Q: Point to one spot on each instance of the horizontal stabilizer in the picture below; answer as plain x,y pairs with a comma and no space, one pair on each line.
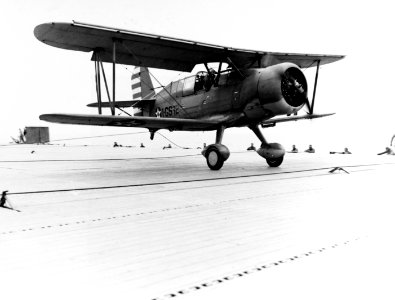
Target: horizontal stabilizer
127,103
273,121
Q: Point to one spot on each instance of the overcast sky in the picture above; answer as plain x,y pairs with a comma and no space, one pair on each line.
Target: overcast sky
37,78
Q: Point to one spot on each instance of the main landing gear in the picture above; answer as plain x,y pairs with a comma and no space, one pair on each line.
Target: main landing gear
216,154
273,152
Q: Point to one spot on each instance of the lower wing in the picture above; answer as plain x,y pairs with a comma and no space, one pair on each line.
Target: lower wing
123,121
274,121
162,123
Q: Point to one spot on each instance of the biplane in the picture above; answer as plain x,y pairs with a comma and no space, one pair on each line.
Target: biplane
246,88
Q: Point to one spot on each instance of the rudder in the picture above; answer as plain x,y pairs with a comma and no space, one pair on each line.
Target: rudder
142,87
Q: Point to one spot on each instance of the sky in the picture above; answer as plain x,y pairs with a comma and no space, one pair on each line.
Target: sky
37,78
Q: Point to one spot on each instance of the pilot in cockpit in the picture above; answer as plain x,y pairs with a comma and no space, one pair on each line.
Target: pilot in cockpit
209,79
205,80
199,81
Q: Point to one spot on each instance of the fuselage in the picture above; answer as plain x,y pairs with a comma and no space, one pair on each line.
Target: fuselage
242,98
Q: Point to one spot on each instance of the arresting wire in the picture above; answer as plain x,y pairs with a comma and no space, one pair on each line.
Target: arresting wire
98,136
173,142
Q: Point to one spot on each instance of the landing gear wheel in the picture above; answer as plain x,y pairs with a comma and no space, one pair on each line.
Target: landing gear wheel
214,159
275,162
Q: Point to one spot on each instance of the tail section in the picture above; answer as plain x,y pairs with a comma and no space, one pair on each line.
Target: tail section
143,94
142,87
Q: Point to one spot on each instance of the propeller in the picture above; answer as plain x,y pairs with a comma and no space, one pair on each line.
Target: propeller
294,87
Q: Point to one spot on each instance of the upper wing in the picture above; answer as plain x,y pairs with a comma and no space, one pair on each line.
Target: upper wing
123,121
141,49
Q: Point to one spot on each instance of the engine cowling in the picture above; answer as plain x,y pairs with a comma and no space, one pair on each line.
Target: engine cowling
282,88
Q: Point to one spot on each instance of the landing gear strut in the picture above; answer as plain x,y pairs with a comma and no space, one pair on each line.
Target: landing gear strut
273,152
216,154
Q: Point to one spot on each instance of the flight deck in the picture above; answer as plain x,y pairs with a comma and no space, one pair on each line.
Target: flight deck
129,223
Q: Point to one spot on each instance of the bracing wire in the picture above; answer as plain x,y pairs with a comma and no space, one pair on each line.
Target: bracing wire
160,85
153,76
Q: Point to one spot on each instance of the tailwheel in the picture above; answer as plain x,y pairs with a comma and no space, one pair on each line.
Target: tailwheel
215,160
275,162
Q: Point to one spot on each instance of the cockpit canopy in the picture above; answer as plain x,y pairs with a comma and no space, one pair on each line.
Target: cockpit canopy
202,80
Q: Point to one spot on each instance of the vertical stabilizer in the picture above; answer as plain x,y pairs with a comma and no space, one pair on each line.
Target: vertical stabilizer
142,87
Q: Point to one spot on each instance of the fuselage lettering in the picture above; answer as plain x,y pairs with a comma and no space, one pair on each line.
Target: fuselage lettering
168,111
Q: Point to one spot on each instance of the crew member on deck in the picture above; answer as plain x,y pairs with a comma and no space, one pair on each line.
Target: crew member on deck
294,149
310,149
3,199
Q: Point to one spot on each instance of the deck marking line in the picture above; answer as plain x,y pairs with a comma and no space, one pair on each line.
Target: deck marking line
252,270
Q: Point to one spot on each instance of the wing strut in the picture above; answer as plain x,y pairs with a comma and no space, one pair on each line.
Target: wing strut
105,81
216,81
311,110
235,67
114,58
99,68
97,79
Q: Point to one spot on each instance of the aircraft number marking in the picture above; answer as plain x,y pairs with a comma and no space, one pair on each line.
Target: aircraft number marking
167,111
